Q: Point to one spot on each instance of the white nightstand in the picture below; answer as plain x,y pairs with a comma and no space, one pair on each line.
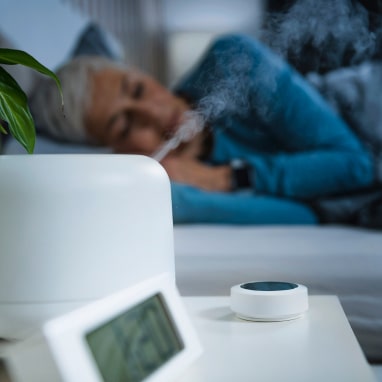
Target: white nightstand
320,346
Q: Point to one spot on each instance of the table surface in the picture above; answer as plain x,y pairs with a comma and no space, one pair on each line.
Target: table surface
320,346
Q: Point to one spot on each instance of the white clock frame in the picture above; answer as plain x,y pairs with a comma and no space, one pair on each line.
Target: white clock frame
59,351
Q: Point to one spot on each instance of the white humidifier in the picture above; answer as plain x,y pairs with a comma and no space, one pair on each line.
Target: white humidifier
75,228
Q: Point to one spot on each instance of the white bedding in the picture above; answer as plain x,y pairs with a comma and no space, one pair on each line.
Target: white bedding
327,259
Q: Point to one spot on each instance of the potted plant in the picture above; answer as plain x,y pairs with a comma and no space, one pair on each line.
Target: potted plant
15,116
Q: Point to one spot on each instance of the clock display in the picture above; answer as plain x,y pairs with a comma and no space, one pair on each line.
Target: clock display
133,345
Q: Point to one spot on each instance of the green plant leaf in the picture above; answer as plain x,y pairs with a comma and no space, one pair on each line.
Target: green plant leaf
15,112
15,56
3,125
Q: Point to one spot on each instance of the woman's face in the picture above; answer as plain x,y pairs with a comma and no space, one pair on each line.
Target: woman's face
131,112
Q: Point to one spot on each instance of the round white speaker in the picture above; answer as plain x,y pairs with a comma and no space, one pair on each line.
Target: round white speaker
269,300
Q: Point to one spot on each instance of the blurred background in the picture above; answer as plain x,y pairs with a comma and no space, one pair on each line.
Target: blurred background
164,37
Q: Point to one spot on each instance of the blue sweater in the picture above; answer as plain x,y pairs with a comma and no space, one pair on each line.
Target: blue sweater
262,111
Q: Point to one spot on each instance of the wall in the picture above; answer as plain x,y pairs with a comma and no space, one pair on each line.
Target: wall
47,29
191,25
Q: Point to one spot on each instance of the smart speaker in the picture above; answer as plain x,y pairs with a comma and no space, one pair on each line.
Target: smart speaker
269,300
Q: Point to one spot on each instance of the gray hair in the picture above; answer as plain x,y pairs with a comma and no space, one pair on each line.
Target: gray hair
45,102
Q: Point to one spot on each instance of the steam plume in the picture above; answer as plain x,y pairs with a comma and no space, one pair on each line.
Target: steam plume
193,124
321,35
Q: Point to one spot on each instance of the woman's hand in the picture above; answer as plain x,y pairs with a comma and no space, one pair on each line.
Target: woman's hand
184,169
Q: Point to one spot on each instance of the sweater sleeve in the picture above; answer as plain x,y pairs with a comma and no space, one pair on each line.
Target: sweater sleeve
311,174
192,205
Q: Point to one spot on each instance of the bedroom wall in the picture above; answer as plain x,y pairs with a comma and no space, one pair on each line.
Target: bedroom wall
191,25
48,28
45,28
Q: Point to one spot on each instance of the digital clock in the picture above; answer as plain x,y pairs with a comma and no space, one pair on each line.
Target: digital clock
139,334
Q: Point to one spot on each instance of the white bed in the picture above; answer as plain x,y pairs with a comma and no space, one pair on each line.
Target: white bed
327,259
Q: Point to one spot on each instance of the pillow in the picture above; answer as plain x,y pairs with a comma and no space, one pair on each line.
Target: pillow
94,41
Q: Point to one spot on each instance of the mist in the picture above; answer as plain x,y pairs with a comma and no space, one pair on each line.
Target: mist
321,35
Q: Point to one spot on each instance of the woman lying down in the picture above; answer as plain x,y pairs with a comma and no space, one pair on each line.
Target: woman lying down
243,137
